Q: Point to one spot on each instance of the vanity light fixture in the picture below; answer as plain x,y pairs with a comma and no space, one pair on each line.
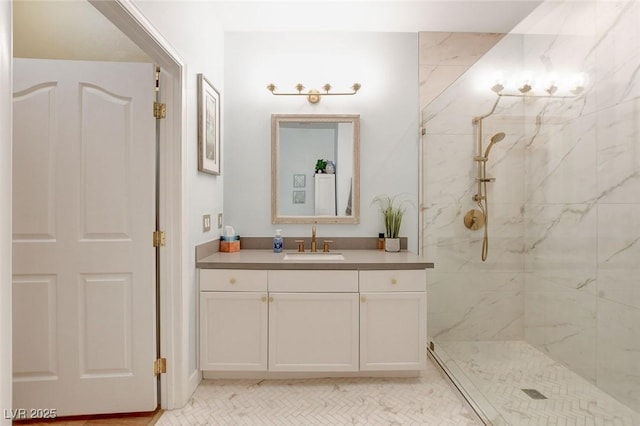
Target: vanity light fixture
498,82
552,89
526,87
498,87
552,84
578,82
577,90
526,79
313,96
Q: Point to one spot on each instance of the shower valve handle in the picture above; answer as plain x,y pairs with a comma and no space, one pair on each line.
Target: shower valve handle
474,220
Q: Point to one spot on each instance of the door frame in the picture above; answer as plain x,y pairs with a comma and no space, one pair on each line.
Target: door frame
6,100
176,384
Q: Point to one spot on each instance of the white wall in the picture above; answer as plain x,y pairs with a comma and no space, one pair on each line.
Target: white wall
386,66
6,379
191,28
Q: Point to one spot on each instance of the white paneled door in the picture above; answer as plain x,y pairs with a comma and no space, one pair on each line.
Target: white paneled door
83,218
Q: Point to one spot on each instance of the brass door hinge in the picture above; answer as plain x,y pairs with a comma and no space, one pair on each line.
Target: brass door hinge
159,239
159,366
159,110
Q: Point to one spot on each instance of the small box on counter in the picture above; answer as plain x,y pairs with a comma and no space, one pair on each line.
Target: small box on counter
230,244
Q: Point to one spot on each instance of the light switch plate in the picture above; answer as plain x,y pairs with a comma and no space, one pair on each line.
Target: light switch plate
206,223
219,220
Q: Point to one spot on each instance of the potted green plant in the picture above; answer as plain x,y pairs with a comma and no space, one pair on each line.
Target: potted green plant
392,210
321,165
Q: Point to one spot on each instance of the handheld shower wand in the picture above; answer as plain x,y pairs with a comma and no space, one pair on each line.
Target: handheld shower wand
494,140
483,193
476,219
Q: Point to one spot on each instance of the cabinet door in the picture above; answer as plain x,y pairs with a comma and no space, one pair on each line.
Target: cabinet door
233,331
313,332
393,331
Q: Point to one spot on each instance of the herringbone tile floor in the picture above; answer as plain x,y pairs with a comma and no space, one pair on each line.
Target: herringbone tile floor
500,370
428,400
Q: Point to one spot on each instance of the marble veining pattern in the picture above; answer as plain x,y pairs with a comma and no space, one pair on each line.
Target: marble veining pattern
564,207
618,155
488,307
444,56
428,400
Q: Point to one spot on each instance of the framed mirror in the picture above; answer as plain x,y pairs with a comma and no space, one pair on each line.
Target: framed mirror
315,168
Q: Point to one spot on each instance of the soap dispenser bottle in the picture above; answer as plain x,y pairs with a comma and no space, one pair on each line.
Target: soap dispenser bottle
277,242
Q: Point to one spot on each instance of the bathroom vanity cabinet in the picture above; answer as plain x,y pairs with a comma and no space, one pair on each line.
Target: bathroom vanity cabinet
233,320
393,320
312,320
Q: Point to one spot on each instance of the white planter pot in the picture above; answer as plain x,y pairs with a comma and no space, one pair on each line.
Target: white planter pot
392,244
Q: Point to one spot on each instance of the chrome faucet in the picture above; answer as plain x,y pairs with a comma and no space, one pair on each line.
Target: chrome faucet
313,239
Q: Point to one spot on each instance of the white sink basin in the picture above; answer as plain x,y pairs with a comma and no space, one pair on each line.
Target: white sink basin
321,256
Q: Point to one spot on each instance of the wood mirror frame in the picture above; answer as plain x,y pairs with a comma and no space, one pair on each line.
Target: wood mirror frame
287,167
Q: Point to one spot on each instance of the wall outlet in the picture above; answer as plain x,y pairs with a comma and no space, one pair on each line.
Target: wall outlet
206,223
219,220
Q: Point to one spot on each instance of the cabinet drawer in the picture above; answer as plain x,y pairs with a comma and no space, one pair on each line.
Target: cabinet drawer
393,280
315,281
232,280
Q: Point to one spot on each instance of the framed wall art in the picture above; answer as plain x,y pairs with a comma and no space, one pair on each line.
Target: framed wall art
299,180
299,197
208,127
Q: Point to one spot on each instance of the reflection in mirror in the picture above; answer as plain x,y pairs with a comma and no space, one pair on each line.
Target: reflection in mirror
315,168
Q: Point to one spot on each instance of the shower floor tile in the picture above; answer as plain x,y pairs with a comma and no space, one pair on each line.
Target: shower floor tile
502,370
427,400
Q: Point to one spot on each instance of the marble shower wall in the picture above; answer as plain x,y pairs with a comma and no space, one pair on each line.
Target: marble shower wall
470,299
560,209
443,57
564,232
582,244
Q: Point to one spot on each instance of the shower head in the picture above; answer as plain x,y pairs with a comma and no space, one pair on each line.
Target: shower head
494,140
497,137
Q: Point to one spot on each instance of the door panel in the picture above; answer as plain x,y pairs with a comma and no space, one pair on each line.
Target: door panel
36,340
106,147
105,300
84,213
33,171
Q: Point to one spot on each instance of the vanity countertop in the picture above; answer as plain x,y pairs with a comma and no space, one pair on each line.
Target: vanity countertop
353,260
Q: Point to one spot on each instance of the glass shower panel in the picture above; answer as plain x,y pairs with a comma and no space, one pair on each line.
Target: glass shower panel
557,288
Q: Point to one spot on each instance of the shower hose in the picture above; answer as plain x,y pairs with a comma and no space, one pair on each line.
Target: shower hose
484,208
